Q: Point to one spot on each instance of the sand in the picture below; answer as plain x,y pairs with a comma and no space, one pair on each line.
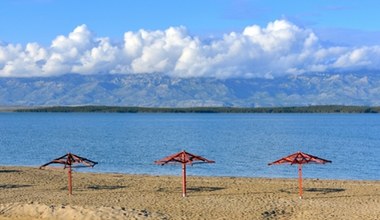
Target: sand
31,193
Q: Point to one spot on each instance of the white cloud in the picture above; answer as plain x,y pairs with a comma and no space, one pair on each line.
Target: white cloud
364,57
279,48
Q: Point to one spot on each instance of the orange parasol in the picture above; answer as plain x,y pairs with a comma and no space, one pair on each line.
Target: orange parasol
184,158
300,158
69,160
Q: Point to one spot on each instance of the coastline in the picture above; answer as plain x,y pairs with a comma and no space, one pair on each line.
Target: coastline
210,109
31,193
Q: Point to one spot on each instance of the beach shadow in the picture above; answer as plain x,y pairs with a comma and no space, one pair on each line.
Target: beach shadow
13,186
10,171
105,187
205,189
324,190
316,190
189,189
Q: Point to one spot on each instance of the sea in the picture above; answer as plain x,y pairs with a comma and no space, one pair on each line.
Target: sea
241,145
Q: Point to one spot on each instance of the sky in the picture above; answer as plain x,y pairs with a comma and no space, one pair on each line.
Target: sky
212,38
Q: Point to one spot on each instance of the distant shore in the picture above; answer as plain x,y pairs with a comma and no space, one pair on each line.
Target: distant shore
31,193
126,109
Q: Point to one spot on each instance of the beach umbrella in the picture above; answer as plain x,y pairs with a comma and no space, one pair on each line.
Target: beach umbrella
300,158
69,160
183,158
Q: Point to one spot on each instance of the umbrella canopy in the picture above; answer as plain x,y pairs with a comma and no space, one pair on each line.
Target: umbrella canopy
183,158
68,160
300,158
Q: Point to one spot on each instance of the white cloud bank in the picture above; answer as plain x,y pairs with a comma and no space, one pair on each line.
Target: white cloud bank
279,48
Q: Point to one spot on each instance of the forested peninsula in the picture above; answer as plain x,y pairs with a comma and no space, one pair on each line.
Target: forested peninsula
121,109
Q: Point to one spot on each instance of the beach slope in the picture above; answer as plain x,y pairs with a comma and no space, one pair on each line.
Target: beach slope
31,193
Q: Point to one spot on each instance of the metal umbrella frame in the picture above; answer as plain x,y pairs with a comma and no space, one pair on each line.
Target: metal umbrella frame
68,160
183,158
300,158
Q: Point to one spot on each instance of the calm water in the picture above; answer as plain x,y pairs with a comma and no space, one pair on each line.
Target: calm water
241,144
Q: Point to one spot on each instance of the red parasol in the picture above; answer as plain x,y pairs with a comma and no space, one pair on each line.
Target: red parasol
69,160
183,158
300,158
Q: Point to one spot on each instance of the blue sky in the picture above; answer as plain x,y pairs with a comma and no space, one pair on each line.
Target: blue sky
345,34
41,21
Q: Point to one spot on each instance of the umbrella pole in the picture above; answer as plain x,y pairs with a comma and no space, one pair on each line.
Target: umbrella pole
183,179
70,181
300,179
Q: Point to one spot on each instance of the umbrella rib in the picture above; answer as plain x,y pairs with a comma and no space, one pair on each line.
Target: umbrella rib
70,159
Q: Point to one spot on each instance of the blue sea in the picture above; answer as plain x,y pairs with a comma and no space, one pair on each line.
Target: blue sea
241,144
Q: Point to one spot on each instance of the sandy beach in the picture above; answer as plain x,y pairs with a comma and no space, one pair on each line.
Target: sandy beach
31,193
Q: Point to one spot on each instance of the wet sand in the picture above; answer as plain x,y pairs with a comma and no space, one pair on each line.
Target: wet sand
31,193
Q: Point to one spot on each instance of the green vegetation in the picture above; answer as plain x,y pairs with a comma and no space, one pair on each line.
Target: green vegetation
118,109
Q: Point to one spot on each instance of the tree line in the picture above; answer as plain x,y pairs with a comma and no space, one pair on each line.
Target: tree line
122,109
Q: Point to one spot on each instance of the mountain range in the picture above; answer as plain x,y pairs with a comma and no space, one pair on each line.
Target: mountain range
160,90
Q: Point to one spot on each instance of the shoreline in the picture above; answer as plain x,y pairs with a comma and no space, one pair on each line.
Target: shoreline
205,109
88,171
31,193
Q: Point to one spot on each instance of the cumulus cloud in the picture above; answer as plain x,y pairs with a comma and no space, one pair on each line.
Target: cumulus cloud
277,49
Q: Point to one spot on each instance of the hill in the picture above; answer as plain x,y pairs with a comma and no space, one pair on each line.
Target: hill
158,90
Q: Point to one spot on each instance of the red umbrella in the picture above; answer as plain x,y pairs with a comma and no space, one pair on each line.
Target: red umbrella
184,158
300,158
69,160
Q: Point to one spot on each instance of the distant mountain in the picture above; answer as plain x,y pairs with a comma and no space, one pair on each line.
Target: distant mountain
158,90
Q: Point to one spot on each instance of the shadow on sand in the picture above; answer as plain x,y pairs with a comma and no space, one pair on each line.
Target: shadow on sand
10,171
316,190
105,187
324,190
204,189
12,186
190,189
